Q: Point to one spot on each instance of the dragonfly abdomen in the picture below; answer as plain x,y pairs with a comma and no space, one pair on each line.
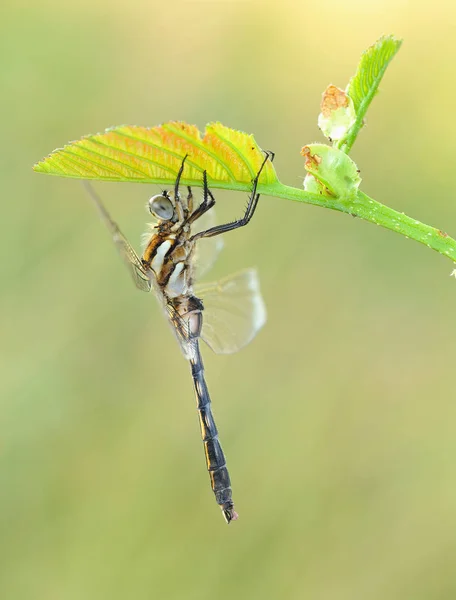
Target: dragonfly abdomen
215,458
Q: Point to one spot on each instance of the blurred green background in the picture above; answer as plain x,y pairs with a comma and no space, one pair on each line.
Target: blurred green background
338,421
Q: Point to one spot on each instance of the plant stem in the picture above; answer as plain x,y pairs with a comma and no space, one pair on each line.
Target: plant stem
368,209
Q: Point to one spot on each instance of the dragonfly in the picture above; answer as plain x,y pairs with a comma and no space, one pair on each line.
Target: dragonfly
233,307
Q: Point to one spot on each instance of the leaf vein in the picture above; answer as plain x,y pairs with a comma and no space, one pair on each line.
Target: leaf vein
128,153
93,162
67,155
115,160
237,152
157,147
202,147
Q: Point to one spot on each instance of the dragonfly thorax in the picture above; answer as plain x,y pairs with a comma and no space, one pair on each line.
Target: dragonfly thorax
168,256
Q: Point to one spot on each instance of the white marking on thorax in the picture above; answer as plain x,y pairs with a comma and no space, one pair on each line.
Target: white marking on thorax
157,262
177,284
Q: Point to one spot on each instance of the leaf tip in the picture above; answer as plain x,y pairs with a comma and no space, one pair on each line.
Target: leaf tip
42,166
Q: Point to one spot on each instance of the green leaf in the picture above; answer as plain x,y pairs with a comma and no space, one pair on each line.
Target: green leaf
364,85
332,168
154,155
371,69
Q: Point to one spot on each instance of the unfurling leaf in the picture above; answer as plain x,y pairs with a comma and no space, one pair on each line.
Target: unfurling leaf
372,66
364,85
154,155
337,113
331,168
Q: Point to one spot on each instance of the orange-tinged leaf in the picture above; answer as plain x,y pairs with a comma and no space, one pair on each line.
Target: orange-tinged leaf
154,155
337,113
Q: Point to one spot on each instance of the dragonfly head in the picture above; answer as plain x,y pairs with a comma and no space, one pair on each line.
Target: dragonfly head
161,206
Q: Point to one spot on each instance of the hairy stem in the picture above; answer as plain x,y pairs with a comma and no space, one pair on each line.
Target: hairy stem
366,208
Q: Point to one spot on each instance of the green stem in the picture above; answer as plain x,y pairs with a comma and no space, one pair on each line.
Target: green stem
370,210
347,144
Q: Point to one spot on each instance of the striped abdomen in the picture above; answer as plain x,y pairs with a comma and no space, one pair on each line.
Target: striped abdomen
215,459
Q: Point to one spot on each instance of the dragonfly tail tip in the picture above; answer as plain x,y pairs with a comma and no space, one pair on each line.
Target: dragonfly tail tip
230,515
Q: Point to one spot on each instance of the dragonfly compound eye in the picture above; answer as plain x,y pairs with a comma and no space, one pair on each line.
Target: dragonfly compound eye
161,207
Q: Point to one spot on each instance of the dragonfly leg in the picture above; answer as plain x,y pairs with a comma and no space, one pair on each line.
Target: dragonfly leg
181,210
189,199
207,203
178,178
249,211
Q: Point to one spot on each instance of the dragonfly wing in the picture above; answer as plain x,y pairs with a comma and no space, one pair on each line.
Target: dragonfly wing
180,327
132,261
234,311
207,249
126,251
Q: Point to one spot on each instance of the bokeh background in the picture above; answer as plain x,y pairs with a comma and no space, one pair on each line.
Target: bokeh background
338,421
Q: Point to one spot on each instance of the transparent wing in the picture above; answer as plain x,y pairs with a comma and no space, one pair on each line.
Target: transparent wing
126,251
234,311
181,331
132,262
207,249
